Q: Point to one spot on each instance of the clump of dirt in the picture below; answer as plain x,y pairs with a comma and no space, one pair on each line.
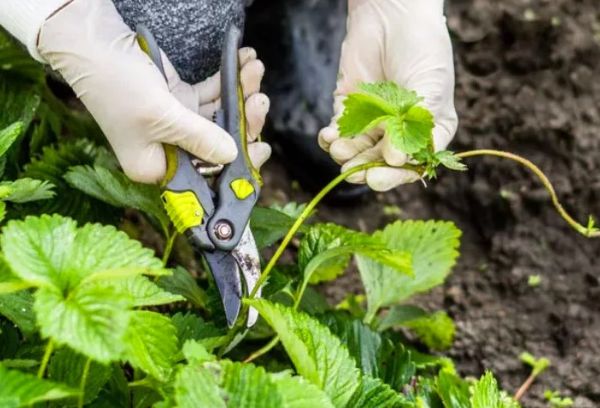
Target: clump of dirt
526,83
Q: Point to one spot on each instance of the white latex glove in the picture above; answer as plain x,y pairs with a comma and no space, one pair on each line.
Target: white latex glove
405,41
88,43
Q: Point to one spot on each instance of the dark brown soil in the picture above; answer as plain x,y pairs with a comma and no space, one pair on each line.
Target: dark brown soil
527,83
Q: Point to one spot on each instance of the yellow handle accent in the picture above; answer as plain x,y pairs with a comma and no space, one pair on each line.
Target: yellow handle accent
172,163
242,188
184,209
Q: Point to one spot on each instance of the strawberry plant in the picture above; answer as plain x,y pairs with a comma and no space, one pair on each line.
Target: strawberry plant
90,316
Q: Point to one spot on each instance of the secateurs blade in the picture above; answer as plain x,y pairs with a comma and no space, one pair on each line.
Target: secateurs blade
215,217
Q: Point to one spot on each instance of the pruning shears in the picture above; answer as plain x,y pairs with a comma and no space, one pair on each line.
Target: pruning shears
216,219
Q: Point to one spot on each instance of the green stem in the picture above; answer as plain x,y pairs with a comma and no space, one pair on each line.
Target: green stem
290,235
304,216
590,233
315,263
46,358
169,247
140,383
84,377
585,231
525,387
263,350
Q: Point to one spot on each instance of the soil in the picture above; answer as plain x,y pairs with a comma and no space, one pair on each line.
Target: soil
527,83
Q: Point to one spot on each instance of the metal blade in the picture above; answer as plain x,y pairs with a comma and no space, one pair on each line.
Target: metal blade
226,272
248,261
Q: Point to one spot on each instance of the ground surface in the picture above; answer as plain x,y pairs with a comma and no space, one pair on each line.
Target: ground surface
528,83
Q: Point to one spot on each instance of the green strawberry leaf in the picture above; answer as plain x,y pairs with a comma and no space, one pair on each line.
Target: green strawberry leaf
327,248
18,308
116,189
411,132
296,392
9,283
151,343
376,355
25,190
270,225
433,247
486,394
538,365
192,327
19,102
91,319
50,251
450,160
361,114
182,283
435,330
374,393
453,391
67,367
52,165
291,209
317,354
395,98
143,291
205,382
9,135
19,389
15,60
249,386
373,104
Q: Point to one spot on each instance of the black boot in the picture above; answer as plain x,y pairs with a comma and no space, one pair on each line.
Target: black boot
300,41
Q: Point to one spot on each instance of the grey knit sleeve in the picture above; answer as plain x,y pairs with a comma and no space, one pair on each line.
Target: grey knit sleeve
190,32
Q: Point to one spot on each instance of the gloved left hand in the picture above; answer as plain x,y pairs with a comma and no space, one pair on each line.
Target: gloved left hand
90,45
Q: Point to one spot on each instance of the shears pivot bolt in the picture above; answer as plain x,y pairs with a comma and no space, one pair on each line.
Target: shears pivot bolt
223,230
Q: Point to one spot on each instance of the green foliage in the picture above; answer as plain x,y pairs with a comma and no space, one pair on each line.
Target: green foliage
81,300
19,103
408,124
15,60
316,353
486,394
555,400
432,160
373,393
182,283
205,382
25,190
51,251
18,308
269,225
534,281
192,327
114,188
9,135
433,247
52,166
92,320
67,366
538,365
20,390
435,330
151,343
454,392
327,248
104,324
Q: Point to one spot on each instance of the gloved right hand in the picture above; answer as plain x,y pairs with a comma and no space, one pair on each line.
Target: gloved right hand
405,41
89,44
